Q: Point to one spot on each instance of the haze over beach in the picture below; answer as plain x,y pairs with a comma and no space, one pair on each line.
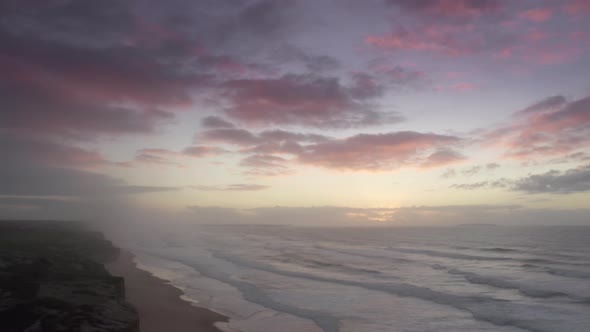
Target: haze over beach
272,160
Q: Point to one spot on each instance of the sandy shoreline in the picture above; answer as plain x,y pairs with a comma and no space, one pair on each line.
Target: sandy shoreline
159,304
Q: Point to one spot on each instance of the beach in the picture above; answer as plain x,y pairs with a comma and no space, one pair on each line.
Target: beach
158,303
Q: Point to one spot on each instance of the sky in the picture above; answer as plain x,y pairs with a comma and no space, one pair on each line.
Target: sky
304,112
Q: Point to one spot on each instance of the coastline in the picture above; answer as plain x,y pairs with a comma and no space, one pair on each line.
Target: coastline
159,304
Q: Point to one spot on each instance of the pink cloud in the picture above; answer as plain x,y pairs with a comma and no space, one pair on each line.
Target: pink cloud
165,157
448,39
216,122
577,7
464,86
555,55
231,136
154,157
451,8
379,152
305,100
363,152
549,128
537,14
203,151
266,165
442,158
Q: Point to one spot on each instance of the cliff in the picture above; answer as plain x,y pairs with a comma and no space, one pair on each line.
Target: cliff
52,278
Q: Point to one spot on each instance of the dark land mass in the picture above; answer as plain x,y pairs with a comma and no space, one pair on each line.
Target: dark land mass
52,278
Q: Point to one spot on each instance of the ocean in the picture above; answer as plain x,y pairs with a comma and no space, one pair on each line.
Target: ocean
463,278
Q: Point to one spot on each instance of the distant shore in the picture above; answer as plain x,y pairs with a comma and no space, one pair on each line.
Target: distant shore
158,303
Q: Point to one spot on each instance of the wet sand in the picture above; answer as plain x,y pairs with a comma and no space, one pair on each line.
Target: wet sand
159,304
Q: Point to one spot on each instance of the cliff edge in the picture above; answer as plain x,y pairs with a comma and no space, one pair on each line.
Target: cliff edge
52,278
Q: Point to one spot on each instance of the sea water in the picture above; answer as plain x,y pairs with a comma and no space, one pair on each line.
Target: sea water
464,278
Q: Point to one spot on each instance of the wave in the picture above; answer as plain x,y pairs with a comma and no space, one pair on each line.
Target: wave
498,249
253,294
373,256
446,254
558,271
491,310
313,263
505,284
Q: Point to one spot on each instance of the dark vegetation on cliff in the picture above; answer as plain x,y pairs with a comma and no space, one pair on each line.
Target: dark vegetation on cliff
52,278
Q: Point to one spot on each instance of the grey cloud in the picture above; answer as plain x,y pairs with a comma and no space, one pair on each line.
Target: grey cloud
203,151
471,186
308,100
265,165
491,166
33,167
216,122
470,171
548,104
449,173
558,182
234,187
310,61
49,181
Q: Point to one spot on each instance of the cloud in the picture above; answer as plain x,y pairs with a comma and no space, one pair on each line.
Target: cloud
265,142
470,171
29,180
449,173
464,86
577,157
491,166
86,69
22,150
548,104
443,157
67,73
514,33
35,167
471,186
447,40
203,151
577,7
216,122
381,152
552,182
549,128
372,152
500,183
311,62
283,135
537,14
233,136
309,100
558,182
161,157
450,8
234,187
265,165
33,112
165,157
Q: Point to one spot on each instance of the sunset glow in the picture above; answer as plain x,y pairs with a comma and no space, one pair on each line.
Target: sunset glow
313,112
